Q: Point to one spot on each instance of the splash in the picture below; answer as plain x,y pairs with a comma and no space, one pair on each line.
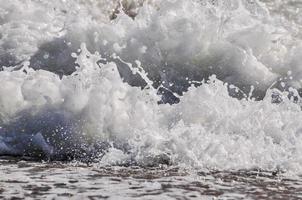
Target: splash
157,88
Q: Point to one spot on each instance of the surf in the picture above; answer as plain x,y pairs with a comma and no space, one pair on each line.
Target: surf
202,84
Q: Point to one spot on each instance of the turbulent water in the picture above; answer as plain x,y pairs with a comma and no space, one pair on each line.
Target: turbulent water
27,180
198,84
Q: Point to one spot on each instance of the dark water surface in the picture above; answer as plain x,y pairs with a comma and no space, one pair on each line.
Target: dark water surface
21,179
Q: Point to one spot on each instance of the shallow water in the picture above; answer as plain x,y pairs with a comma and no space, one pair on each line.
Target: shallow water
27,179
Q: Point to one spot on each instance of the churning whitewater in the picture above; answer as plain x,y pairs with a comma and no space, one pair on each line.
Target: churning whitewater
196,83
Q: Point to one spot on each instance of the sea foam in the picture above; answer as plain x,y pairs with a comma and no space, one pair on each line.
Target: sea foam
205,84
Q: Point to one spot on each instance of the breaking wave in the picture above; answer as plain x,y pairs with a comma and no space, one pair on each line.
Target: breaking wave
206,84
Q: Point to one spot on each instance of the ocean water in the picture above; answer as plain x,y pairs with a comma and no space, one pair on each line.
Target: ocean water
170,99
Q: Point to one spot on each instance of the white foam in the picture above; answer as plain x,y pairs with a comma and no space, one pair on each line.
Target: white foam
168,43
